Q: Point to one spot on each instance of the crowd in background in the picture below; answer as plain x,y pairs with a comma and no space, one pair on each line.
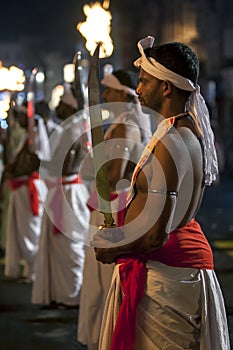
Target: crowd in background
49,210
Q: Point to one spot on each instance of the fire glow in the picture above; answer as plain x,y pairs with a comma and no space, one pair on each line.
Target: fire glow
11,79
96,29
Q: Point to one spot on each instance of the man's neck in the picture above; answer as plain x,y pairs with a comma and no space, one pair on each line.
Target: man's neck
172,108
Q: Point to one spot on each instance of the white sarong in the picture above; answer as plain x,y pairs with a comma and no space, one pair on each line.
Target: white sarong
23,231
182,308
96,283
60,258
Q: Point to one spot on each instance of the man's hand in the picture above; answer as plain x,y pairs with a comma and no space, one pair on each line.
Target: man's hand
104,243
106,256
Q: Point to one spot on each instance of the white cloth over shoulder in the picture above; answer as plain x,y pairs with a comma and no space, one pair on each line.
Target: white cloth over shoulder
74,129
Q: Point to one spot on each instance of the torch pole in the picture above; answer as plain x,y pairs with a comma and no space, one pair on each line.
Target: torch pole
31,110
98,143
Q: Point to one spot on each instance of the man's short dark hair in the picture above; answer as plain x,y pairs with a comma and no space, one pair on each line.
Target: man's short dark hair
178,58
127,77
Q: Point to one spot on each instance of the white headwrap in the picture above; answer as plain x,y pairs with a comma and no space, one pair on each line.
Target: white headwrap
196,105
111,81
144,123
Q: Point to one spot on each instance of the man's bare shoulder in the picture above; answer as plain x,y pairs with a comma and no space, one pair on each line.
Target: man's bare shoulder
179,140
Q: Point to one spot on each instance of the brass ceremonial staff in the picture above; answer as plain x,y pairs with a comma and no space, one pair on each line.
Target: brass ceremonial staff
31,110
98,145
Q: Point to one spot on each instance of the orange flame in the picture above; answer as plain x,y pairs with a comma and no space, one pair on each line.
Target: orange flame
96,29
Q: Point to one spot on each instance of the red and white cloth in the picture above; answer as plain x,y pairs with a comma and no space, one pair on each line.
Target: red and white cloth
143,303
29,181
57,198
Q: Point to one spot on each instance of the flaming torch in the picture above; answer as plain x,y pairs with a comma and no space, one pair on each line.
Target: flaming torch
96,29
11,80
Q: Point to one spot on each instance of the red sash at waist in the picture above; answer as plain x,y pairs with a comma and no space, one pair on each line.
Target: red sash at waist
64,181
186,247
55,203
14,184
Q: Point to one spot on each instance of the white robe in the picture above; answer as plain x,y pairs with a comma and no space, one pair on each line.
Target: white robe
97,276
96,282
177,303
23,231
60,258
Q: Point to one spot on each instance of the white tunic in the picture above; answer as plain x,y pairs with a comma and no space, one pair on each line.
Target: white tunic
23,230
60,258
96,282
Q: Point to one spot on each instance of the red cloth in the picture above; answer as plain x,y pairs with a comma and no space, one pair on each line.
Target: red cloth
186,247
133,279
14,184
92,204
55,203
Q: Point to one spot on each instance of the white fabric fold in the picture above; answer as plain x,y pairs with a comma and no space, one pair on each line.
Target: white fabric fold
193,305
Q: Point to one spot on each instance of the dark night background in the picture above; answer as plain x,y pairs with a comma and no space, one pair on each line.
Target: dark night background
43,33
54,21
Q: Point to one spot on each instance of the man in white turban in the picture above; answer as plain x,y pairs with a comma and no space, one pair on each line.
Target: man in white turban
164,292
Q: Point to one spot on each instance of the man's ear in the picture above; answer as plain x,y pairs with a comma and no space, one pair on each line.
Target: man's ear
167,87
